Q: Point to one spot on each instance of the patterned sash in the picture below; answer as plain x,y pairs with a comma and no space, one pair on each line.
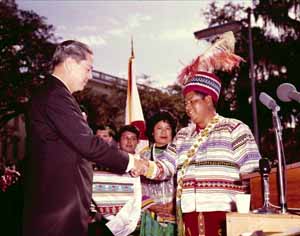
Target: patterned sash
201,138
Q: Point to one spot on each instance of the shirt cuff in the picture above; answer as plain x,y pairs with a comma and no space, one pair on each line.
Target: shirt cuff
130,163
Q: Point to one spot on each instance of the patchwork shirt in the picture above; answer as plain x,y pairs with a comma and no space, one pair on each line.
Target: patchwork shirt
213,176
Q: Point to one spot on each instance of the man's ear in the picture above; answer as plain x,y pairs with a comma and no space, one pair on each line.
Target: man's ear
68,64
209,101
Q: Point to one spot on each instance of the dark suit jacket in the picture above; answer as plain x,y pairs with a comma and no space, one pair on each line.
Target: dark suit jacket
58,184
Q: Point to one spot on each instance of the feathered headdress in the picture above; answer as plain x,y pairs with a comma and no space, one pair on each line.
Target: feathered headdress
219,56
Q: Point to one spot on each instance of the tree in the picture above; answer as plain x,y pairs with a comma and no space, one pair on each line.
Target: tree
26,47
26,43
106,109
276,46
170,100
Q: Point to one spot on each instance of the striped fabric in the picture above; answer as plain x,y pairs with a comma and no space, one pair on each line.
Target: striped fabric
111,191
204,82
212,179
158,193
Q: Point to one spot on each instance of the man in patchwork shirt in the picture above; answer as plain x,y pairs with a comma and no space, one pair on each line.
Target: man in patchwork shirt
209,156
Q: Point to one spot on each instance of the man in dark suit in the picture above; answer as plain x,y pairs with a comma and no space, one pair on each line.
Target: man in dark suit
58,178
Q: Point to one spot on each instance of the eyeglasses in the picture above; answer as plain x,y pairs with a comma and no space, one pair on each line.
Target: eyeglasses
192,101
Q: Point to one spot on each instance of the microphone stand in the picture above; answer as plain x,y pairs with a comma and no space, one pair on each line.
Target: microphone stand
281,169
265,169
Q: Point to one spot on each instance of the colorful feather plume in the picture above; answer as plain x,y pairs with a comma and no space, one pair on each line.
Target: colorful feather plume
219,56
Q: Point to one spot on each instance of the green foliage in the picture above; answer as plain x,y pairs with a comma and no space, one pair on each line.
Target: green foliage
104,109
228,12
26,46
170,100
109,108
276,46
281,13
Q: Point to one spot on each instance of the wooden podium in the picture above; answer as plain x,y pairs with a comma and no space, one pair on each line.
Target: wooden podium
271,224
268,224
293,187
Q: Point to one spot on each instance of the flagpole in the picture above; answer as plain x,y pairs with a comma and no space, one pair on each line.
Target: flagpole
134,112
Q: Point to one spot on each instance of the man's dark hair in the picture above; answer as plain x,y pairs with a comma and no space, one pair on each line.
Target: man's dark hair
70,48
130,128
111,130
157,117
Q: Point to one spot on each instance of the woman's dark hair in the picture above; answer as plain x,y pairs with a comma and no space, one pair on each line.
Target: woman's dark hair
70,48
157,117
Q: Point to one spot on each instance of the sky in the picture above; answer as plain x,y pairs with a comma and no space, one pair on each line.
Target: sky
162,33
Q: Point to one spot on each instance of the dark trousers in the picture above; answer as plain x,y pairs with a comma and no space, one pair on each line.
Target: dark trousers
98,228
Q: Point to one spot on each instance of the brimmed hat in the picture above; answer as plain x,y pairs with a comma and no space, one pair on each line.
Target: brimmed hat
199,75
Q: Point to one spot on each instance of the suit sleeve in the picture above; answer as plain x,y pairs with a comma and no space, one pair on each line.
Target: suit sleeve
65,117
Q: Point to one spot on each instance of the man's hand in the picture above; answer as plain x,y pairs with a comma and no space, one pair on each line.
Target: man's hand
140,167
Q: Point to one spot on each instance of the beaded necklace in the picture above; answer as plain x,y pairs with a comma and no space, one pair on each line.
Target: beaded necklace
200,138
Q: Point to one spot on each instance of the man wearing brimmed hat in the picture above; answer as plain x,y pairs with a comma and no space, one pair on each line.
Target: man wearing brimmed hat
211,153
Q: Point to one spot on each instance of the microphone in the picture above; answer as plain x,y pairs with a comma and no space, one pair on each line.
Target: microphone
265,169
264,166
287,92
268,101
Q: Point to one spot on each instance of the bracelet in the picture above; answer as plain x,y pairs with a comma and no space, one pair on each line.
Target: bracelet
151,170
